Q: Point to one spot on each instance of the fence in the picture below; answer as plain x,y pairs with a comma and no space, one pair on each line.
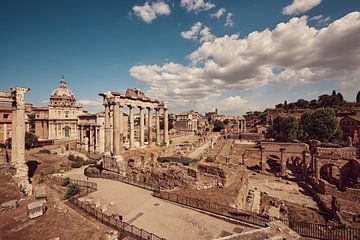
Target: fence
114,222
138,182
312,230
110,220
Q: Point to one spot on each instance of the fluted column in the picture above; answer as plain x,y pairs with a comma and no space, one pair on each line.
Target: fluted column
116,130
157,123
142,135
150,124
107,129
91,140
131,119
166,127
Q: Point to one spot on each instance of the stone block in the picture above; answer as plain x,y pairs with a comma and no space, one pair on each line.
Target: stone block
104,208
36,209
97,204
40,192
9,205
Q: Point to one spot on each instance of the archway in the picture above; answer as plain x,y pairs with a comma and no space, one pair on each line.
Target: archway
331,173
67,131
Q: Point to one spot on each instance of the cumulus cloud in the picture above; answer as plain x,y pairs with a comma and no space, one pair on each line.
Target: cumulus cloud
292,52
219,13
229,22
149,12
196,5
198,32
300,6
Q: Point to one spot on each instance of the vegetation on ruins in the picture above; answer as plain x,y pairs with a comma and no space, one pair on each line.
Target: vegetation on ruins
45,151
283,129
77,161
72,190
218,126
335,100
321,124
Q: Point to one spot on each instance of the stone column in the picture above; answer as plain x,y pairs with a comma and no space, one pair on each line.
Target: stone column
116,130
18,139
142,134
244,122
282,162
107,129
157,123
150,135
262,160
131,119
166,127
91,139
317,168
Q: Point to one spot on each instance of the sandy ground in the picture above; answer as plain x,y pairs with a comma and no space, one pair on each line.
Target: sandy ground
284,190
140,208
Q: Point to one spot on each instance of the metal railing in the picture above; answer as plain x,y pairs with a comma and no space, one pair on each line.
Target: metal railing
114,222
311,230
138,182
110,220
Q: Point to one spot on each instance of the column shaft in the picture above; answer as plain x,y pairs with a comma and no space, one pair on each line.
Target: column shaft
107,129
157,123
166,127
131,119
150,135
116,130
142,135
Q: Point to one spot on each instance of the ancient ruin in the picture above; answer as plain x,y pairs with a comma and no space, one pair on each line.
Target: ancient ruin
16,97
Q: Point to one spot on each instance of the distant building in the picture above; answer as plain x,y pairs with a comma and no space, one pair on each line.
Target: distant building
351,126
187,121
6,117
59,119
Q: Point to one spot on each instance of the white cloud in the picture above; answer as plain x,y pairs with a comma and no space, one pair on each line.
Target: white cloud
229,22
320,19
149,12
219,13
91,102
300,6
292,52
198,31
231,104
196,5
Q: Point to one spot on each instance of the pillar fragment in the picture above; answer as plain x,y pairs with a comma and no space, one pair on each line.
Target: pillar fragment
131,120
142,135
150,135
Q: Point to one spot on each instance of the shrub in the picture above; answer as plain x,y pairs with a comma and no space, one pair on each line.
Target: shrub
66,181
209,159
78,159
76,164
44,150
71,157
72,190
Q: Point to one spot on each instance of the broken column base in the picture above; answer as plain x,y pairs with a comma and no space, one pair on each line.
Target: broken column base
113,163
22,180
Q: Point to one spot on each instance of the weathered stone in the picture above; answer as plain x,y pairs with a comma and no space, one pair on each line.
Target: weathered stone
40,192
36,209
9,205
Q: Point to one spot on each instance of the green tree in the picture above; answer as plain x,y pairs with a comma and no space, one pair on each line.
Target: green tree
31,140
358,97
321,124
218,126
283,129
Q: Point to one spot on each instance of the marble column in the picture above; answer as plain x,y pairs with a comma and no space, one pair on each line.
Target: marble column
142,135
282,162
18,139
116,130
157,123
166,127
150,135
107,129
91,139
131,119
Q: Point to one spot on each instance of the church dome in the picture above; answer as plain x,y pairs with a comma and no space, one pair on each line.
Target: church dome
62,90
62,96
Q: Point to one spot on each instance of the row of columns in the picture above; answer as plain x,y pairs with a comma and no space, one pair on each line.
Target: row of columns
241,125
92,142
117,130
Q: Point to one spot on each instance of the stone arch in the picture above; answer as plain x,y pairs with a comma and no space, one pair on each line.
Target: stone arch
331,173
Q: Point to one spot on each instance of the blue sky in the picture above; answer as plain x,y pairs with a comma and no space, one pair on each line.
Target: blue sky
114,45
